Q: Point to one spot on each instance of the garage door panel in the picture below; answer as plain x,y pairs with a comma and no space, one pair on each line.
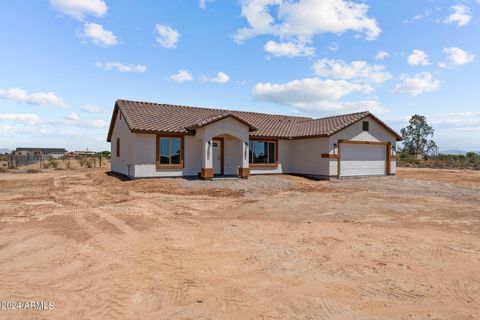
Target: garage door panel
362,160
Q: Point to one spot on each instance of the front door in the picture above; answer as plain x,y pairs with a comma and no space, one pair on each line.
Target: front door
217,156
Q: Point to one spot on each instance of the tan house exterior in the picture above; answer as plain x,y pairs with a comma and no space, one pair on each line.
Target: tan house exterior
160,140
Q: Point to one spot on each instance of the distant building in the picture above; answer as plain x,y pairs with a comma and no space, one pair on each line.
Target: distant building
37,152
80,153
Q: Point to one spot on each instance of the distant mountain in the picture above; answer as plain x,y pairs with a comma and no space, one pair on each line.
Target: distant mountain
454,152
5,150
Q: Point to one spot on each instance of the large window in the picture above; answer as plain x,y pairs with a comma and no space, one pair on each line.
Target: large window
169,152
263,152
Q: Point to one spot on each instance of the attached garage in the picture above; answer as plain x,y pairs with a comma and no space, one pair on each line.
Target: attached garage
363,158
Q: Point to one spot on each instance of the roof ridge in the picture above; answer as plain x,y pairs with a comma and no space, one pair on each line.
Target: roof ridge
337,116
212,109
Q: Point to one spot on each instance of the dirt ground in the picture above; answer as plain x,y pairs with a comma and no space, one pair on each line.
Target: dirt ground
270,247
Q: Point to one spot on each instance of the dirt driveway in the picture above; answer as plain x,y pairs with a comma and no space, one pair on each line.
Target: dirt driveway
270,247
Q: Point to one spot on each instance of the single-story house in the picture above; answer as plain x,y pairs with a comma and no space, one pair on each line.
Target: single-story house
163,140
40,152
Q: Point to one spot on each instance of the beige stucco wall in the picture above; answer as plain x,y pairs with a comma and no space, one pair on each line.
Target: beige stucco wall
355,132
127,148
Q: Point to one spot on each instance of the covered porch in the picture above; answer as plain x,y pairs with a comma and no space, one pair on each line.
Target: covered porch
225,146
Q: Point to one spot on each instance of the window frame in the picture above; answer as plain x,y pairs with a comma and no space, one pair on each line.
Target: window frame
181,165
264,165
367,125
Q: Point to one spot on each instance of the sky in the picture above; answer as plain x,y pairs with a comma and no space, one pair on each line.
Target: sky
63,63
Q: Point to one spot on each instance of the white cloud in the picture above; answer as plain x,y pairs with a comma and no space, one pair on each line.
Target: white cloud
40,98
28,118
99,35
167,37
417,84
288,49
458,121
181,76
221,78
303,19
338,106
78,9
356,70
306,92
90,108
203,3
442,64
460,15
458,56
381,55
121,67
418,58
74,119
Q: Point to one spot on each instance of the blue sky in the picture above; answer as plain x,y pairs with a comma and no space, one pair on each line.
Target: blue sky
65,62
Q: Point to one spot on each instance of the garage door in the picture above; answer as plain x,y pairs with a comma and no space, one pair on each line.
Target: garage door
362,160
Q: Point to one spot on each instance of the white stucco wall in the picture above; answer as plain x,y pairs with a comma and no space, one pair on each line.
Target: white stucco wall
145,157
284,160
307,156
233,154
300,156
355,132
127,148
228,126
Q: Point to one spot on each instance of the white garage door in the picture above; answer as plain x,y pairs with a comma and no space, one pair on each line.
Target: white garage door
362,160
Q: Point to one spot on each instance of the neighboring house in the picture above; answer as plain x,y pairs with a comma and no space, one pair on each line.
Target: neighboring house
161,140
81,153
38,152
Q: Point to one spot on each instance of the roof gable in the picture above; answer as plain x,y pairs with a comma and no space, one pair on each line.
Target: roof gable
209,120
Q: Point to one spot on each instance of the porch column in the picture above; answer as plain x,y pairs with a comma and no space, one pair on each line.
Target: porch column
244,170
207,163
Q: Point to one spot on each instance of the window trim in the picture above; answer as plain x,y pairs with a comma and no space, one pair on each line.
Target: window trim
264,165
367,125
181,165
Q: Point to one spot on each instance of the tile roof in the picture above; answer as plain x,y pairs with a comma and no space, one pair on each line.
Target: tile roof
166,118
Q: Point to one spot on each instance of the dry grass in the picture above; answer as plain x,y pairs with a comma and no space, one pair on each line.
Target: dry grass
270,247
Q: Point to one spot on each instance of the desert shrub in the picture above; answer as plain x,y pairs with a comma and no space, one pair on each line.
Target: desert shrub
82,161
33,171
3,170
46,165
89,163
53,163
68,165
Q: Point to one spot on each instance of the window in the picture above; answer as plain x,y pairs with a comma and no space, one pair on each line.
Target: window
118,147
365,125
170,151
263,152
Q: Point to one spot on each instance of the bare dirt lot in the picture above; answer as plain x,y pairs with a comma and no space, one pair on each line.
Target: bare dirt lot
270,247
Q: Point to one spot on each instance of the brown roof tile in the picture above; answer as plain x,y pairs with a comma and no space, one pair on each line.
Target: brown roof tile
166,118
